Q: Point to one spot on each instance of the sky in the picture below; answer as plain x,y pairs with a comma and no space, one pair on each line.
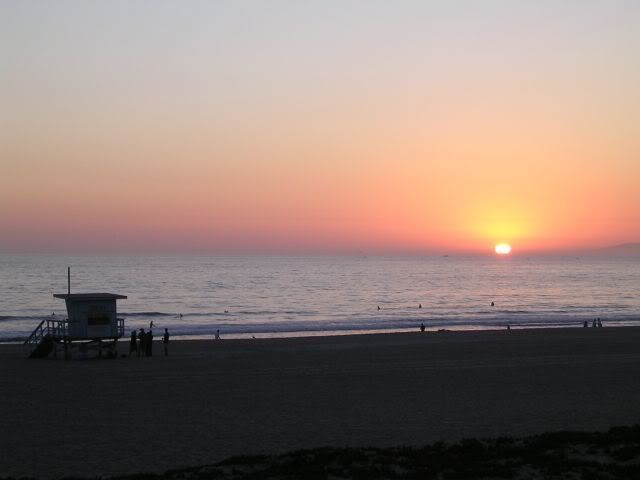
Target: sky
318,126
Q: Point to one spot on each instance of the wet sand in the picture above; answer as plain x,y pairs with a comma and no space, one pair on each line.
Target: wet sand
209,400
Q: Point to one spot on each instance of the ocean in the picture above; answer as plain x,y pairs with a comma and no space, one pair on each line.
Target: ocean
268,296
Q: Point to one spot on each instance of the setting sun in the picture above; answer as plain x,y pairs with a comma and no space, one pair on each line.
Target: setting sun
503,249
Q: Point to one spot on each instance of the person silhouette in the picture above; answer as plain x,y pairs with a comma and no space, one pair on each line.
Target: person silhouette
141,343
419,305
422,327
133,344
149,343
217,334
165,341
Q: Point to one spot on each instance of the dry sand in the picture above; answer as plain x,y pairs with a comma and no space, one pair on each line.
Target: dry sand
209,400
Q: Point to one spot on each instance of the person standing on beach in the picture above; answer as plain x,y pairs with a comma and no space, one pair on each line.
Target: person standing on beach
148,340
133,344
217,334
422,327
141,343
165,341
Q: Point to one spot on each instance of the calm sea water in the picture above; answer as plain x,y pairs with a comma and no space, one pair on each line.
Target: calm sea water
281,296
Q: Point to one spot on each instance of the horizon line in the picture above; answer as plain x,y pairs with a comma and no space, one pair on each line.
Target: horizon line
628,249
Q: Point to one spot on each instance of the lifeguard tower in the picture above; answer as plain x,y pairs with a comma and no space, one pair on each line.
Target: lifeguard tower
92,323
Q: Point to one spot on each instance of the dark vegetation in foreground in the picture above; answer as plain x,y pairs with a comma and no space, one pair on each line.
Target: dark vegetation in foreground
562,455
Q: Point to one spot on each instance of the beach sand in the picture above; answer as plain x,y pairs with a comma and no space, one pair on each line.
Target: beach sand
209,400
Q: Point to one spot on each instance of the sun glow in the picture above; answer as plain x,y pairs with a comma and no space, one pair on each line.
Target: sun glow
503,249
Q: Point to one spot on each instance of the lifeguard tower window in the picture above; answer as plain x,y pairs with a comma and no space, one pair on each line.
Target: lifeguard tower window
98,318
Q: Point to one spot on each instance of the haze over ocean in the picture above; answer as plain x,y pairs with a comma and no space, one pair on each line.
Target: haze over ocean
281,296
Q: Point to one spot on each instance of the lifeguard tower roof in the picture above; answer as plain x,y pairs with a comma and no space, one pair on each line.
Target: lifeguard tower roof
89,296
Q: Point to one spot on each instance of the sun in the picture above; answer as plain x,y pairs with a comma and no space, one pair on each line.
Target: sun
503,249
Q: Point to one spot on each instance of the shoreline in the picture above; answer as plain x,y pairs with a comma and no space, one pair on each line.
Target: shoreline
210,400
351,332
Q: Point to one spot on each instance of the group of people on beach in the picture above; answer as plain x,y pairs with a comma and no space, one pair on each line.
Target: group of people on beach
141,343
596,323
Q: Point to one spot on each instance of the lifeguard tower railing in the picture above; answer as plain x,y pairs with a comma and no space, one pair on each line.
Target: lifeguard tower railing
59,330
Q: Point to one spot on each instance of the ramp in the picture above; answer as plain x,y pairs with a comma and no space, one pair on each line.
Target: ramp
41,342
44,348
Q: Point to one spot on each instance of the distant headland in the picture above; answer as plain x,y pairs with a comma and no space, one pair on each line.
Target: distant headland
622,250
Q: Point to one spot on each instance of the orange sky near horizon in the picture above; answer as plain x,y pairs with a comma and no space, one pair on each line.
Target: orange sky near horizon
374,128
